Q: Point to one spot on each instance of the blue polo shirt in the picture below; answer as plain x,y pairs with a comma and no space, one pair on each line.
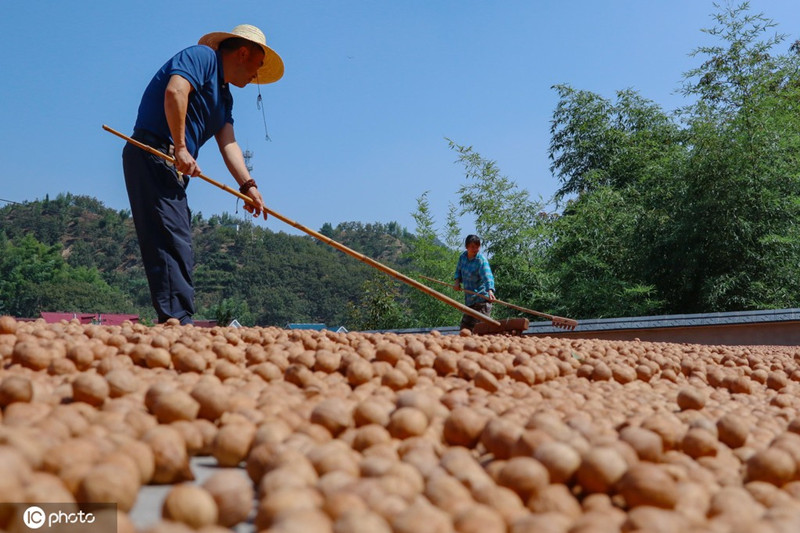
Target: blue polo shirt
210,104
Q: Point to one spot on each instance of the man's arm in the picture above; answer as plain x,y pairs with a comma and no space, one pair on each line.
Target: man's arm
176,102
486,272
234,160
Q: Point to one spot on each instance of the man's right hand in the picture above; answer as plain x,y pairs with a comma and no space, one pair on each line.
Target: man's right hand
257,208
185,163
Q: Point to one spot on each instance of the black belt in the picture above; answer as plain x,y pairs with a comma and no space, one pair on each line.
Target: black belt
156,141
162,145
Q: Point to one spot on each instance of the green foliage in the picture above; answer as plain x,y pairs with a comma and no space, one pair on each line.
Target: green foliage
452,237
285,278
740,73
381,306
35,277
595,258
514,229
696,218
693,211
597,143
428,257
740,206
740,201
228,310
242,271
381,242
621,159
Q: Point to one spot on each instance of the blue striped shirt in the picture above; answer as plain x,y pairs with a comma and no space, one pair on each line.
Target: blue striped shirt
475,275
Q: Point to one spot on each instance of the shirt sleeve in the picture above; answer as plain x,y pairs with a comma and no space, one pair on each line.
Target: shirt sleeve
229,110
195,63
458,276
486,272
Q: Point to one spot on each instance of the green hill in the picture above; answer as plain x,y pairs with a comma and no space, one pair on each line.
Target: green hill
242,271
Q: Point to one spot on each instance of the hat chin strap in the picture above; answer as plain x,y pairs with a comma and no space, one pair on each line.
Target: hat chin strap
260,105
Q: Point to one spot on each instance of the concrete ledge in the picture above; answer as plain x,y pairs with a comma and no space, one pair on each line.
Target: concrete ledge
147,511
770,327
767,327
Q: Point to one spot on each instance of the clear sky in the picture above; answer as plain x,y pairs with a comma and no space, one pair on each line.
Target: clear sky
371,90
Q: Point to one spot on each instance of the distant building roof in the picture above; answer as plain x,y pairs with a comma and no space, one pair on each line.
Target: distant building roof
115,319
105,319
54,317
315,326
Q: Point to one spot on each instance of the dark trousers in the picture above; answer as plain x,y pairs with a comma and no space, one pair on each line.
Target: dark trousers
468,321
163,227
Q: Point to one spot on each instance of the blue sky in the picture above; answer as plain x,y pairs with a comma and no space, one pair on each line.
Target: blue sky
371,90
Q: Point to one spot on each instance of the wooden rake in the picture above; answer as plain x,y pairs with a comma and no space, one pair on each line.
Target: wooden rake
556,321
495,326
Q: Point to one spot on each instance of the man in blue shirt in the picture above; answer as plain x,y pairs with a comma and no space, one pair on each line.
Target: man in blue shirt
187,102
474,272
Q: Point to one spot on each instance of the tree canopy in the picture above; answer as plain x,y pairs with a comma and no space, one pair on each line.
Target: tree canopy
692,210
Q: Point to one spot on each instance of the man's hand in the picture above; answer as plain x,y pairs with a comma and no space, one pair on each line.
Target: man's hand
491,295
457,286
257,207
185,163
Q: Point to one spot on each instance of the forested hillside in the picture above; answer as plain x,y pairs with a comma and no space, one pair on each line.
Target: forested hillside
72,253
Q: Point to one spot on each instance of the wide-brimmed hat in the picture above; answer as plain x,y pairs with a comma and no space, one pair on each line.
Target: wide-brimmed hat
272,70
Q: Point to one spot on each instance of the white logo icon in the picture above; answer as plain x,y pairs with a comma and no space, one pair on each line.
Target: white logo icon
34,517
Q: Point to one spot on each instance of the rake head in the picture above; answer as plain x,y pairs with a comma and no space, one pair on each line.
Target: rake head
564,323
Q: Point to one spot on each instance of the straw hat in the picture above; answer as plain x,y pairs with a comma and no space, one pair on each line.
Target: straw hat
271,71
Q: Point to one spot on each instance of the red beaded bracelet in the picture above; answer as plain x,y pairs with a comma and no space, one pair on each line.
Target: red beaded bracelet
247,185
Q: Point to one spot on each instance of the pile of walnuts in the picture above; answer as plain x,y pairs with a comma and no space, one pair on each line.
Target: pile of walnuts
382,432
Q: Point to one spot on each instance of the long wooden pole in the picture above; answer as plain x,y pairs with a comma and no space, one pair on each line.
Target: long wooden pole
341,247
558,321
